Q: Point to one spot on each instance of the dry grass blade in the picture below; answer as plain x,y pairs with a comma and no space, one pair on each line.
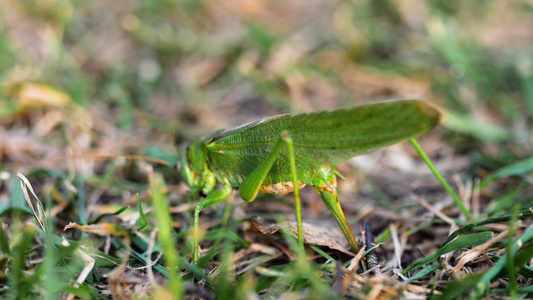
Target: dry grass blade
151,244
87,268
356,261
398,249
39,214
477,251
438,213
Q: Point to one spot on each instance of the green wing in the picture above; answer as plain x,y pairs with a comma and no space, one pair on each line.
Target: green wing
320,138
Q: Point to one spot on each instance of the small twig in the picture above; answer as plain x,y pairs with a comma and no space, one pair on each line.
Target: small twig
371,258
436,212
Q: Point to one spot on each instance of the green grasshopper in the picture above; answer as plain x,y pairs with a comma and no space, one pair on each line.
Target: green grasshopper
276,154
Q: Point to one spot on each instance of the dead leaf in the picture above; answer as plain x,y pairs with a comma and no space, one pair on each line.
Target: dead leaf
100,229
35,95
313,235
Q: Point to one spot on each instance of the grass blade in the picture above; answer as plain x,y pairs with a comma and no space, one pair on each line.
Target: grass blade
141,222
517,168
484,282
457,287
164,224
425,271
19,285
465,241
441,179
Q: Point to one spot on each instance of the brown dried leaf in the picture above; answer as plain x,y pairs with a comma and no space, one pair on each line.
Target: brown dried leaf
33,95
313,235
100,229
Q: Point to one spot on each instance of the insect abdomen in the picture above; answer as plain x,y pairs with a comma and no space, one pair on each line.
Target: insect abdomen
280,187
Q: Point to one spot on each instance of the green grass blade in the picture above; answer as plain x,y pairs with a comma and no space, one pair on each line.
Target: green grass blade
465,241
294,176
482,130
220,234
523,257
141,222
4,241
17,202
164,224
425,271
19,285
441,179
458,287
517,168
484,282
115,213
511,253
523,215
82,213
506,201
323,253
223,283
49,264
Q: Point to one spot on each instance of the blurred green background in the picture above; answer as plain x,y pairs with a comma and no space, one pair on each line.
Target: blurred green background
88,79
218,63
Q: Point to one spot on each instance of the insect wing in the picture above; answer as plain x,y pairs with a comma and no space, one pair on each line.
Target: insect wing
320,138
335,136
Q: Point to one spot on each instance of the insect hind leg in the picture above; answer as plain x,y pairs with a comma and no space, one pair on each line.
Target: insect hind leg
325,183
251,185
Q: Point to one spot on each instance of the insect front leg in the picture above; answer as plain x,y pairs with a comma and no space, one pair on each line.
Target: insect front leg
213,198
325,183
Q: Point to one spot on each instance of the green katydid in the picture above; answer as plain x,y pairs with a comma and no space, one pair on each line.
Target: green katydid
276,154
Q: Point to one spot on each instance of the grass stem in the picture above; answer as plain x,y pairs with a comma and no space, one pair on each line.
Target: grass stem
441,179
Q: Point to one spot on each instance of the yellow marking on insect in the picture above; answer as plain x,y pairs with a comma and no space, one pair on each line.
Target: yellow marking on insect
330,186
280,188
